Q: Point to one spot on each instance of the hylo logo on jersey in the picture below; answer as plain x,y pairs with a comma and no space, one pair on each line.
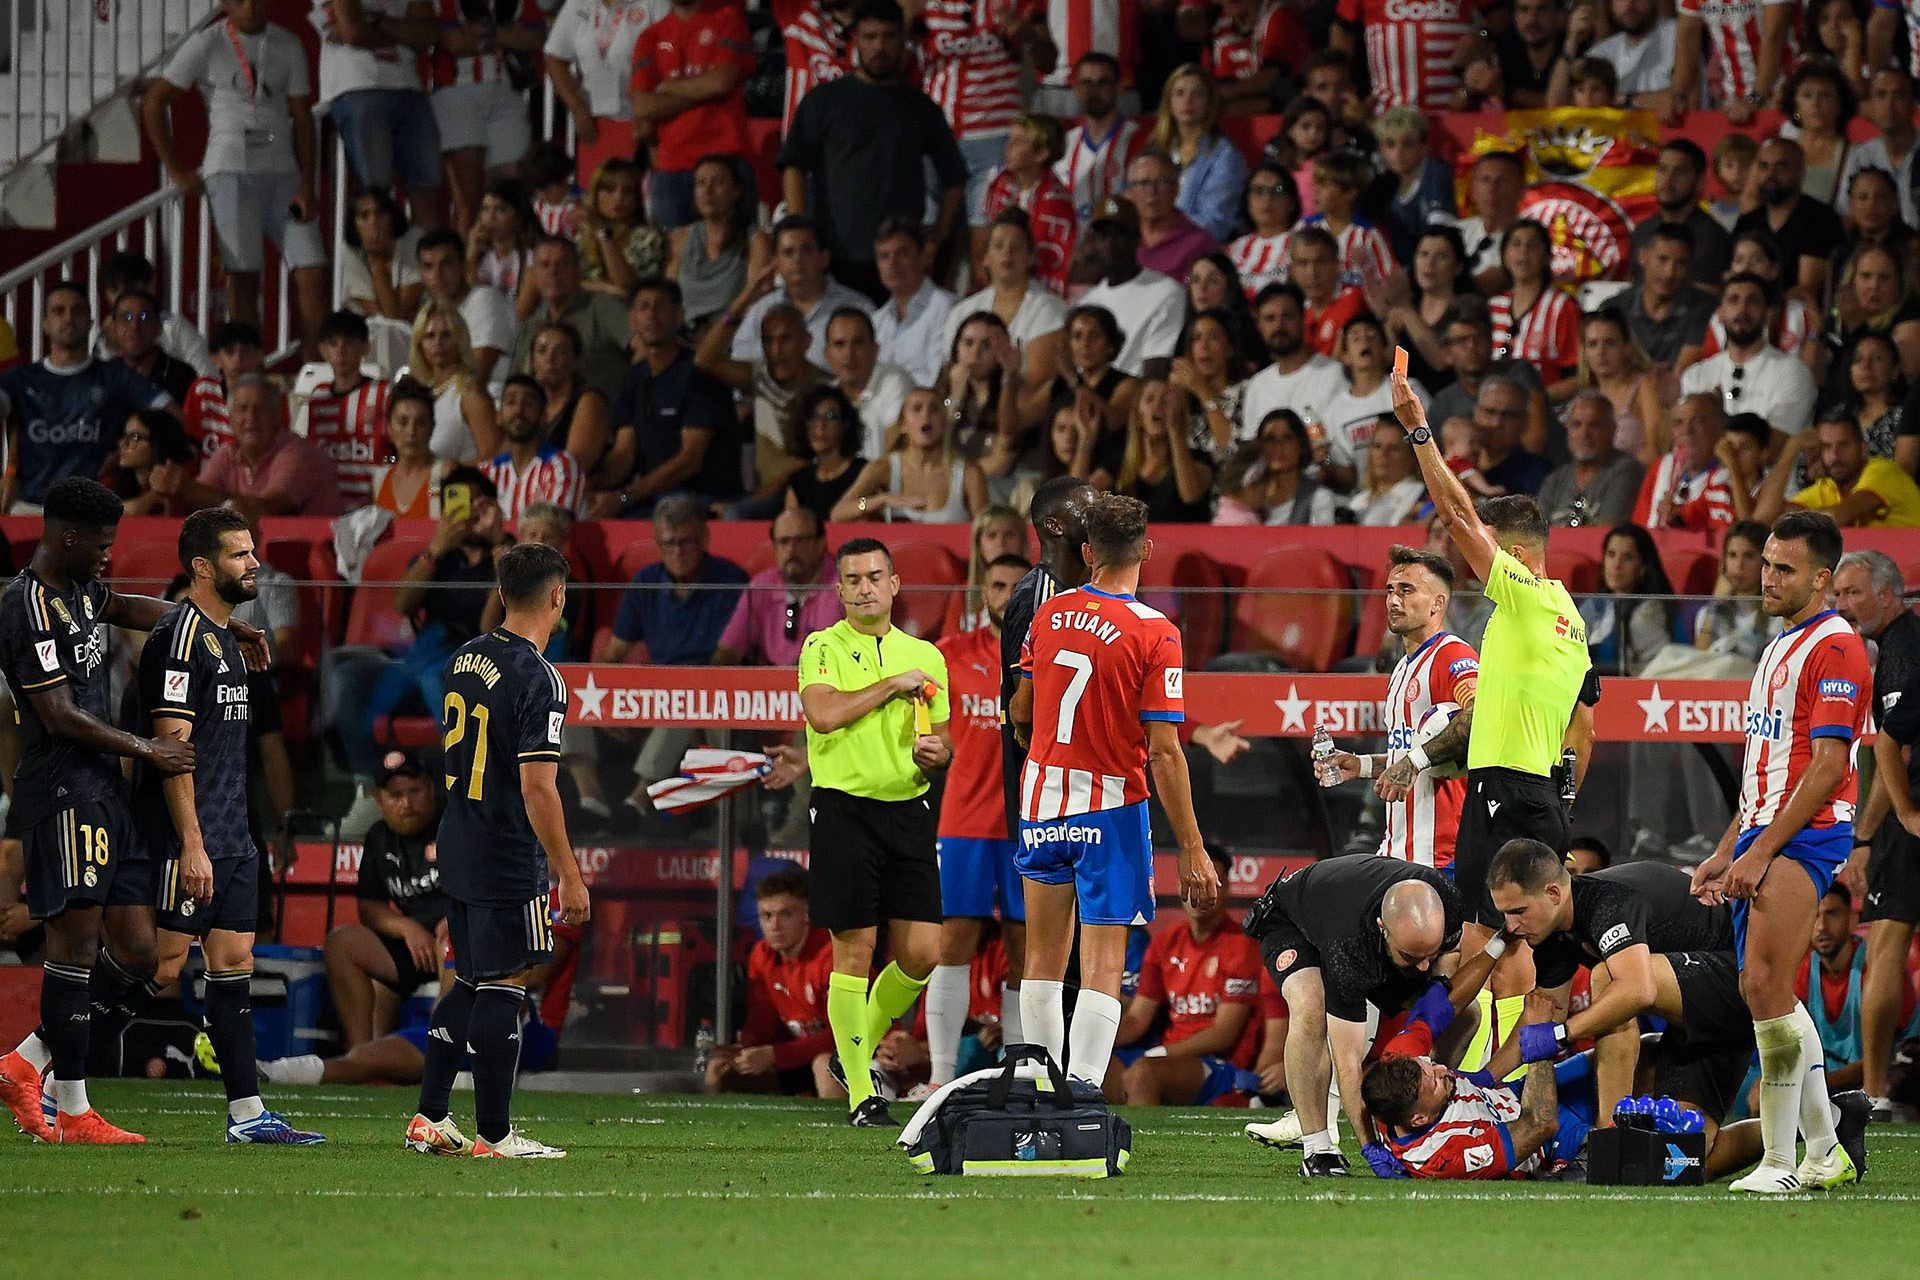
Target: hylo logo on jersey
1176,677
555,719
1463,665
1613,938
1845,690
175,689
48,654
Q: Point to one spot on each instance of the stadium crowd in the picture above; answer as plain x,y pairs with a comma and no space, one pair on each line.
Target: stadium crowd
1006,242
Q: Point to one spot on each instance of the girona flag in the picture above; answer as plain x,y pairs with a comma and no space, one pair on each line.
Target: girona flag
1590,179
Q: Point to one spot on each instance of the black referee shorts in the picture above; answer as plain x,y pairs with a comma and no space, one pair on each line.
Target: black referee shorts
871,861
1893,876
1704,1059
1502,805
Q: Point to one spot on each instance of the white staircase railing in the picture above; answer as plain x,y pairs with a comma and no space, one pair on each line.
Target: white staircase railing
68,57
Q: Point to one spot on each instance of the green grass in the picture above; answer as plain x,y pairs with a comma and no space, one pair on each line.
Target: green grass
677,1187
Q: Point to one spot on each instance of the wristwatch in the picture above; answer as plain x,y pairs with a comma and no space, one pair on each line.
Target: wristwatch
1419,435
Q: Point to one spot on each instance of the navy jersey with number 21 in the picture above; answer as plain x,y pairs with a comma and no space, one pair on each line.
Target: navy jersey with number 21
505,706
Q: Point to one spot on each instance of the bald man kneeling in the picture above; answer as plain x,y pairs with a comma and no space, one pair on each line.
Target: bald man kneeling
1337,936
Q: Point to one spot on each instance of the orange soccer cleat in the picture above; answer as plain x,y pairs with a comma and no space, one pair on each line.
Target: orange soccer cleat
20,1091
91,1130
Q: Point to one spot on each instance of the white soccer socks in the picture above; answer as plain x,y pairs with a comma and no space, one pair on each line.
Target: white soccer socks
946,1017
1096,1020
1043,1015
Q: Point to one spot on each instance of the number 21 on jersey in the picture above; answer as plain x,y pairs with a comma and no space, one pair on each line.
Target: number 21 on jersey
454,717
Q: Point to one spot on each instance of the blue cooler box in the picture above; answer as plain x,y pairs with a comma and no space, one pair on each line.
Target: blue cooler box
291,1006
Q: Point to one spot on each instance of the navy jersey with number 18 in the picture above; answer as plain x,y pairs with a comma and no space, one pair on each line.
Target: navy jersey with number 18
505,707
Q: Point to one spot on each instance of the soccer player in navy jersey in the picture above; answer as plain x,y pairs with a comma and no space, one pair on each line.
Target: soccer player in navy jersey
503,840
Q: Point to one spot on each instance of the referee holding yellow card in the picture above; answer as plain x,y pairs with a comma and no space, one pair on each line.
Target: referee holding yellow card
875,700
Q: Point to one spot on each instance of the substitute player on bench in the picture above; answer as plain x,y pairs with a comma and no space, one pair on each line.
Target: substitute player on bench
503,840
1793,833
1099,704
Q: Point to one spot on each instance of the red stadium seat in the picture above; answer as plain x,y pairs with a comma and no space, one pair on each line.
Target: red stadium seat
1299,605
1692,573
917,610
372,619
144,568
1578,573
634,557
1199,609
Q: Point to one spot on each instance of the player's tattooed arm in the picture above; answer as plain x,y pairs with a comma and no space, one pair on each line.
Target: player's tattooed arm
1539,1117
1449,746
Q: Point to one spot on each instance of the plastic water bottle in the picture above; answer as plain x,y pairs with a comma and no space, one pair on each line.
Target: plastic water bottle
1569,783
1666,1115
1692,1121
1325,771
703,1046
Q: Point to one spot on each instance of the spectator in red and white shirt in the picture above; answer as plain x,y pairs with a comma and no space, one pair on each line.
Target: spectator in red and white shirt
1410,47
1690,488
484,128
970,66
785,1044
1205,973
347,414
1536,320
236,350
819,46
1746,45
1340,178
689,69
1076,31
1251,45
1027,181
1273,210
530,470
1314,265
1104,143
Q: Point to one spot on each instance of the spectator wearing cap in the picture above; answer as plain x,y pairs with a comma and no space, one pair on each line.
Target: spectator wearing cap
1679,180
258,168
396,948
910,323
267,470
1599,485
1149,306
599,318
798,278
1170,241
857,149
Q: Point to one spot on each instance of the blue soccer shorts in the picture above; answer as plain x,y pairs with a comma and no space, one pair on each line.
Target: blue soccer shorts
1107,856
976,873
1820,851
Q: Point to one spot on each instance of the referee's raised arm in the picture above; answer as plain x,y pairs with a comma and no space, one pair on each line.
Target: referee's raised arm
1450,498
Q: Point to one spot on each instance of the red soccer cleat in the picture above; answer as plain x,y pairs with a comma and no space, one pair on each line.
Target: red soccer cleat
20,1091
91,1130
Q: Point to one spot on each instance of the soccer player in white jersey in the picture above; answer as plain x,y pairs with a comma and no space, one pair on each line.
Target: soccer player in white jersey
1794,830
1423,811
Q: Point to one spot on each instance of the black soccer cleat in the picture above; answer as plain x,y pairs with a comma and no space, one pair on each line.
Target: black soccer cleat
882,1081
1856,1112
872,1114
1325,1164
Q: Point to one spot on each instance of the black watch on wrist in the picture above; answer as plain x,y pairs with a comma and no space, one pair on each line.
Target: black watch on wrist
1419,435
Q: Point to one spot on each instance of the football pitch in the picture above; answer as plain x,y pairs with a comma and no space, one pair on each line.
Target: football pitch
684,1187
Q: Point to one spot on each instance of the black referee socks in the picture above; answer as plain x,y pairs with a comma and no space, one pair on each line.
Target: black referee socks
493,1037
230,1027
446,1042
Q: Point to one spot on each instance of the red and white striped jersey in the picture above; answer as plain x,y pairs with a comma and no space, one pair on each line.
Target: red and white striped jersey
1813,682
1260,260
1080,27
1788,329
1423,827
1733,35
1547,335
1701,499
1911,10
1096,168
206,416
819,49
1410,46
553,476
1101,666
1469,1140
968,68
1049,207
446,70
1365,255
351,429
556,218
1277,37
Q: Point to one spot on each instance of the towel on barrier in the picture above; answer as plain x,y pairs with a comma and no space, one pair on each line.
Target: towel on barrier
706,774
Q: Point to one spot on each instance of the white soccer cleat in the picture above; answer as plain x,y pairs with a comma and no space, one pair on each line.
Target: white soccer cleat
1768,1181
517,1146
1284,1132
1837,1170
437,1139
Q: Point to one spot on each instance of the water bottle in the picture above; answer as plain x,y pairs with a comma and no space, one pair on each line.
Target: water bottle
1325,771
1666,1115
1692,1121
703,1046
1569,784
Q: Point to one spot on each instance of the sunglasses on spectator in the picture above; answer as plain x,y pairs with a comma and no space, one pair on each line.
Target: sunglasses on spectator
1739,373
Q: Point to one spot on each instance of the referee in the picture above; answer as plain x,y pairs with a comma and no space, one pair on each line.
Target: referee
1536,688
873,736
